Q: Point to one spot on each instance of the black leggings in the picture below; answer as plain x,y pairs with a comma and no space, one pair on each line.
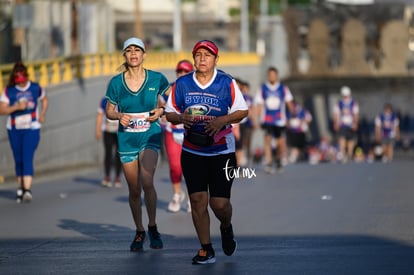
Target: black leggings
110,141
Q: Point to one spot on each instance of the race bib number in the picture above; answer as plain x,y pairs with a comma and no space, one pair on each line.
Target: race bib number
138,123
23,121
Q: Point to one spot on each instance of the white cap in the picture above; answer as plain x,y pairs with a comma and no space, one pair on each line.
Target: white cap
133,41
345,91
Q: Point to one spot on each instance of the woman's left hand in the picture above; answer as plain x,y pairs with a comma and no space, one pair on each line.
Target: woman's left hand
215,125
41,118
155,114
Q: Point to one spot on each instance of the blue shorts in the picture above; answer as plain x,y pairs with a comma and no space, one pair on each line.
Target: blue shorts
125,158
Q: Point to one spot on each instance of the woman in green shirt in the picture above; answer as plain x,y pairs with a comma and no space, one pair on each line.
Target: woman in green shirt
133,100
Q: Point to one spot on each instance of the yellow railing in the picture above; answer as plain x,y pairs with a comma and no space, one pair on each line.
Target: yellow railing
62,70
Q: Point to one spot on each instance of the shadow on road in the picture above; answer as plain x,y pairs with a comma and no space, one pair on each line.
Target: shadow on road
8,194
92,181
105,248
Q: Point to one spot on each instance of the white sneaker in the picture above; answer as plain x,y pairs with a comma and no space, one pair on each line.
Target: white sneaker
27,196
175,203
19,195
269,169
106,183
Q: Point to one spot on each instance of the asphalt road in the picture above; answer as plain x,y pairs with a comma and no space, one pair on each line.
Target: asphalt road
312,219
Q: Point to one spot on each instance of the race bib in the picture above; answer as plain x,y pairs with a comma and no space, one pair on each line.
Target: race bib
294,122
138,123
23,121
347,119
273,103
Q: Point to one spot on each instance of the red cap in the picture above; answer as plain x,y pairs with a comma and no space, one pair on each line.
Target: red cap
184,65
207,44
20,77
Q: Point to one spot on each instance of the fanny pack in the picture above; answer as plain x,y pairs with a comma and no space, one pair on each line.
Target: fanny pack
203,139
199,138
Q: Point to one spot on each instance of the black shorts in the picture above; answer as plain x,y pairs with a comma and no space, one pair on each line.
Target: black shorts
347,133
273,130
297,140
208,173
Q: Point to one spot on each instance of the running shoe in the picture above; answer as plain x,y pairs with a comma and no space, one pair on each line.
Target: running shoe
175,204
155,238
204,257
19,195
106,182
228,243
138,242
269,169
27,196
118,184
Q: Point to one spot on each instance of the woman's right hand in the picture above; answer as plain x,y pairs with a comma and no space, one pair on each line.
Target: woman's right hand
21,105
186,119
124,119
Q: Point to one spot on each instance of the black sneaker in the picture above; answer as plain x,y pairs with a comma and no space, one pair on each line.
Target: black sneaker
155,238
19,195
228,243
138,242
204,257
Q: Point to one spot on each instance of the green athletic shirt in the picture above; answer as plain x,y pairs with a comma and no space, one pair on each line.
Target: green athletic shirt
142,101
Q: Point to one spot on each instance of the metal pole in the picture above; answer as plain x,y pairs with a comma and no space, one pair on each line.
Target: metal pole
177,38
138,21
260,43
244,26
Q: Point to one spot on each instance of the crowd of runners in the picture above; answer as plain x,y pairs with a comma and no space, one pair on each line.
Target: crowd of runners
205,121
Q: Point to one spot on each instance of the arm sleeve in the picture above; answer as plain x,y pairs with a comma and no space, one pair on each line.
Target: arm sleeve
288,95
238,102
4,98
258,99
377,121
356,109
164,85
173,101
42,92
111,93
